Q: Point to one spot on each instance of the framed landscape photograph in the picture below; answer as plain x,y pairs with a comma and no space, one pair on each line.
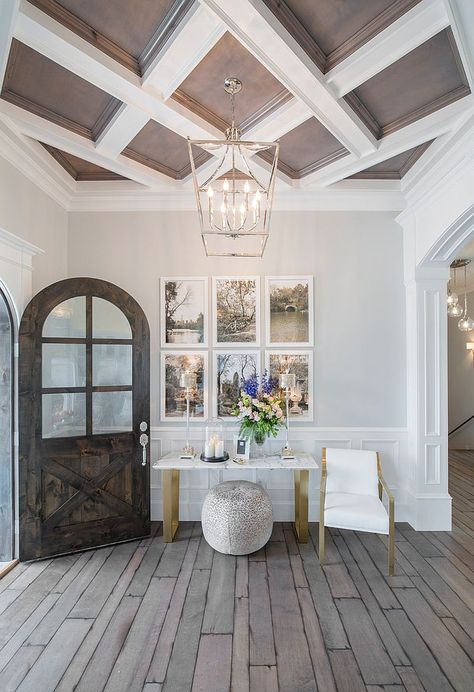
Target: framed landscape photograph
230,367
236,311
183,306
289,310
301,364
173,400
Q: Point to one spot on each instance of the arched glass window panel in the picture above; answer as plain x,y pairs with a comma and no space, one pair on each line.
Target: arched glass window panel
6,431
108,321
67,320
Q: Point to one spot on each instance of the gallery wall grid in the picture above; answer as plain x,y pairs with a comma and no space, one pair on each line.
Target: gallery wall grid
231,321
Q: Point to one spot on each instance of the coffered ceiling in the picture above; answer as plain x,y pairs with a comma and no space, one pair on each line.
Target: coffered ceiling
356,92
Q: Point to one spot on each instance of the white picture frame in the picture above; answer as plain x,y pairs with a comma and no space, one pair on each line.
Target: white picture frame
298,321
236,366
225,285
187,329
240,448
173,404
289,359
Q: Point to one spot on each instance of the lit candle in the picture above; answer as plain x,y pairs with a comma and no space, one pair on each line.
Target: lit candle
254,210
223,212
242,214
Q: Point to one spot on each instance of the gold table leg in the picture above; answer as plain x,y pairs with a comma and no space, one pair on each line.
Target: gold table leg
301,504
170,490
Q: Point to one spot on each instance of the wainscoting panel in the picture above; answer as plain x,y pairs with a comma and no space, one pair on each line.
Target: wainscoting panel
194,485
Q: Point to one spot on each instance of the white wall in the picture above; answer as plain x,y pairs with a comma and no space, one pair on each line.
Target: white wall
359,355
356,260
460,384
30,214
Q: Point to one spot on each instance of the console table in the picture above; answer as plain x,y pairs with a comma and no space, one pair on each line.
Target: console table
170,465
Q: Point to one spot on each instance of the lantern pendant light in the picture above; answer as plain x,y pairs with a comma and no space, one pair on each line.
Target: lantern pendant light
235,201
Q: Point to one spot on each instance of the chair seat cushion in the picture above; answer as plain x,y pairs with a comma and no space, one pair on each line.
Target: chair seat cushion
355,512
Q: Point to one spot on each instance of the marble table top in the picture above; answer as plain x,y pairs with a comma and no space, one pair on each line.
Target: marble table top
301,461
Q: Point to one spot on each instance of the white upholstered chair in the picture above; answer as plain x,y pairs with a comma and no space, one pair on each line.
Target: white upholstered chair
351,496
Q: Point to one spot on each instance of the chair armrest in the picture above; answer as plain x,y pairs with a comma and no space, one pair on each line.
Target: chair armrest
384,485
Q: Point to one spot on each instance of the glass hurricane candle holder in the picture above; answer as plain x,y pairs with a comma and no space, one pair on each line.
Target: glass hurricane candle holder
188,382
287,381
214,444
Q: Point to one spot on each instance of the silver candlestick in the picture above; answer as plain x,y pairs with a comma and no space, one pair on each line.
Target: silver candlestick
188,381
287,382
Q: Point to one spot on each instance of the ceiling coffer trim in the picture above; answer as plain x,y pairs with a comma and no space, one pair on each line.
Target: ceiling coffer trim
326,62
379,131
390,174
138,65
213,119
99,175
27,104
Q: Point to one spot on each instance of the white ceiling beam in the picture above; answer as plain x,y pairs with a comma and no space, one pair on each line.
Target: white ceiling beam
412,29
257,28
53,40
423,130
42,130
8,16
461,19
196,34
279,122
122,128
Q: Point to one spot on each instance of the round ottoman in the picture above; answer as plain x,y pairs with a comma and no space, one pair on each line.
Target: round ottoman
237,517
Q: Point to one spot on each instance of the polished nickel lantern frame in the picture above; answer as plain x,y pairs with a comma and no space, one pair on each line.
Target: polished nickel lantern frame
234,203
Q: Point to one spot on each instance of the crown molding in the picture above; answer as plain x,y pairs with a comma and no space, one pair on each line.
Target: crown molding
15,150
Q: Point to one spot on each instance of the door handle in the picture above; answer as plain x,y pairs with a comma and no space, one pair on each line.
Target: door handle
143,442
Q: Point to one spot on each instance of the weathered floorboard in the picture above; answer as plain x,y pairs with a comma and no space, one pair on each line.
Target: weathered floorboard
154,612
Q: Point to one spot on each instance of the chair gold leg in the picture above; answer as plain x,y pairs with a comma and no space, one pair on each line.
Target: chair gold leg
301,504
321,540
391,538
170,485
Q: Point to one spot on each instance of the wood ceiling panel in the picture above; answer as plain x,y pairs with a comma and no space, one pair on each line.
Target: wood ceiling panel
308,147
395,167
203,90
158,147
43,87
330,30
130,32
79,169
424,80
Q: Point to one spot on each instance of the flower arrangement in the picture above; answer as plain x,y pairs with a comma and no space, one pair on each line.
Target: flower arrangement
261,413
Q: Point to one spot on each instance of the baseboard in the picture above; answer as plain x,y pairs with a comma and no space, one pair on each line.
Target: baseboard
429,512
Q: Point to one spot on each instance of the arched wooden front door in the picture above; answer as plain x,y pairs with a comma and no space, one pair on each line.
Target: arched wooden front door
6,430
84,414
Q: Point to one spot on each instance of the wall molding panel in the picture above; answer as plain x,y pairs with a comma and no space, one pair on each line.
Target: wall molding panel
194,485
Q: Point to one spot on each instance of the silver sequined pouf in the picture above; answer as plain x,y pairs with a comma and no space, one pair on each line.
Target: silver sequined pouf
237,517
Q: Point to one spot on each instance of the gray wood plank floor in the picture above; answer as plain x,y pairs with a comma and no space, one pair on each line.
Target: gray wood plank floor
180,617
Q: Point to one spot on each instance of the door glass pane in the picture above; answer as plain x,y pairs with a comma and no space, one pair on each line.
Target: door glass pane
6,514
64,415
67,320
108,321
64,365
111,364
111,412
